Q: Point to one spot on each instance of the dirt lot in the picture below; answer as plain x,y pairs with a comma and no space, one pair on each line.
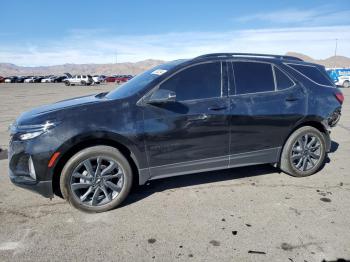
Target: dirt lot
244,214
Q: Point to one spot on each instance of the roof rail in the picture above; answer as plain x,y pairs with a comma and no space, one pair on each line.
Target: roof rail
228,55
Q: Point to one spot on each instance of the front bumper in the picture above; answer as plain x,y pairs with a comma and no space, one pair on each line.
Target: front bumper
43,188
19,153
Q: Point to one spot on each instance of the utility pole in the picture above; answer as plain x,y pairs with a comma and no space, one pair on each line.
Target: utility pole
336,47
116,57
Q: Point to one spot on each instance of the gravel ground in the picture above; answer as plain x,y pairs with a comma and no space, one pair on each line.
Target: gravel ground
242,214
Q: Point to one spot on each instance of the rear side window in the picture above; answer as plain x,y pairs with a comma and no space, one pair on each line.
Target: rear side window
253,77
312,73
282,80
196,82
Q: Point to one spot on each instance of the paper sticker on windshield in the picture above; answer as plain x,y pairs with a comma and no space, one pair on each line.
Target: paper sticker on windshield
158,72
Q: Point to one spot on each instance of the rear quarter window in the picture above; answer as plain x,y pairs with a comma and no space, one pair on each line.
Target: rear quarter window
312,73
282,80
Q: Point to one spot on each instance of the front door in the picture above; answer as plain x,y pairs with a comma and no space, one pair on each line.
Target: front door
191,134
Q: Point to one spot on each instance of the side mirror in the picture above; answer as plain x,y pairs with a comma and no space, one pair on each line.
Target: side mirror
161,96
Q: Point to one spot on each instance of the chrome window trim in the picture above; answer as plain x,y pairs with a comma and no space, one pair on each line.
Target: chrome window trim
274,77
288,64
285,73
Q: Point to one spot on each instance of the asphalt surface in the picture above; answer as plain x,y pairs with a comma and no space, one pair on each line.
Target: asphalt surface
242,214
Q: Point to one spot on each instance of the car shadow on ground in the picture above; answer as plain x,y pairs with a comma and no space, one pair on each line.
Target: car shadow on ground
140,192
154,186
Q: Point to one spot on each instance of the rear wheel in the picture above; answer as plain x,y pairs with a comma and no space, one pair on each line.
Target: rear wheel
346,84
304,152
83,83
96,179
67,83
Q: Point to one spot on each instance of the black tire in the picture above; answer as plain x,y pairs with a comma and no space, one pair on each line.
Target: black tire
88,153
346,84
83,83
286,163
67,83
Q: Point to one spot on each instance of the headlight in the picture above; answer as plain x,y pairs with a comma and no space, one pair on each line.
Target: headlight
26,132
27,136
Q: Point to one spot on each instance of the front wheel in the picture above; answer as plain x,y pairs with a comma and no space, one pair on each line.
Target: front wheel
96,179
304,152
67,83
346,84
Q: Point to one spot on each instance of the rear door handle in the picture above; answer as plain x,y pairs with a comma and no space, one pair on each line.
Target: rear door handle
217,108
292,98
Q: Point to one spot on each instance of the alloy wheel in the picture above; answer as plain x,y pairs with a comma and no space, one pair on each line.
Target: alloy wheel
97,181
306,152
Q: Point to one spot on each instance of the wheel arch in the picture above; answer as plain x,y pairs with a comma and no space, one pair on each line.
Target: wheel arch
70,148
313,123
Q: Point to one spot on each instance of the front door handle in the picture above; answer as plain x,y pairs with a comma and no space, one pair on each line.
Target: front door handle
199,117
217,108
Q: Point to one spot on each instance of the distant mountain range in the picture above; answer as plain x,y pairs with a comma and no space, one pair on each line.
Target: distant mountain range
7,69
333,61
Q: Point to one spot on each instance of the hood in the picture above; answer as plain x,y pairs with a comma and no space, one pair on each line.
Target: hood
51,109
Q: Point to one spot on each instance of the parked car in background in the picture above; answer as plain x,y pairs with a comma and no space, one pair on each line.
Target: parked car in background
59,79
118,78
38,79
182,117
79,80
98,79
30,79
48,79
20,79
111,79
11,79
340,76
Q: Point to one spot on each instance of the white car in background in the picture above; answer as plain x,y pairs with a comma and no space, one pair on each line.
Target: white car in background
79,80
30,80
49,79
98,79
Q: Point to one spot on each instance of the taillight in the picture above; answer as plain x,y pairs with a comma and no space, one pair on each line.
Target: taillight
340,97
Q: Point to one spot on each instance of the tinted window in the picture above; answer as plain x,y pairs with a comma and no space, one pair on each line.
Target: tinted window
140,81
282,80
196,82
313,73
251,77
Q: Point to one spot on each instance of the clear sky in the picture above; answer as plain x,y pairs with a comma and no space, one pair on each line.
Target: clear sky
56,32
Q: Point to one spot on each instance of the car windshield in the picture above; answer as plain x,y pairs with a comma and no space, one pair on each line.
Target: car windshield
137,83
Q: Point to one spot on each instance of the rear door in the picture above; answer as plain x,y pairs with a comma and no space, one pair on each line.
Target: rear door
264,104
191,134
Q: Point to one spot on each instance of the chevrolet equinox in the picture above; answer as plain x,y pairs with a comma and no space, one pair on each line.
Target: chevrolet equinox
212,112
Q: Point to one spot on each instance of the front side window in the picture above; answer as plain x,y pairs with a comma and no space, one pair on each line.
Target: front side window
252,77
282,80
196,82
313,73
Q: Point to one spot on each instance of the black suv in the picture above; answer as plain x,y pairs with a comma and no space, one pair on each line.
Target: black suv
212,112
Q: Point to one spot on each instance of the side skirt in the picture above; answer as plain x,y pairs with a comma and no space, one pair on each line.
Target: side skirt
265,156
